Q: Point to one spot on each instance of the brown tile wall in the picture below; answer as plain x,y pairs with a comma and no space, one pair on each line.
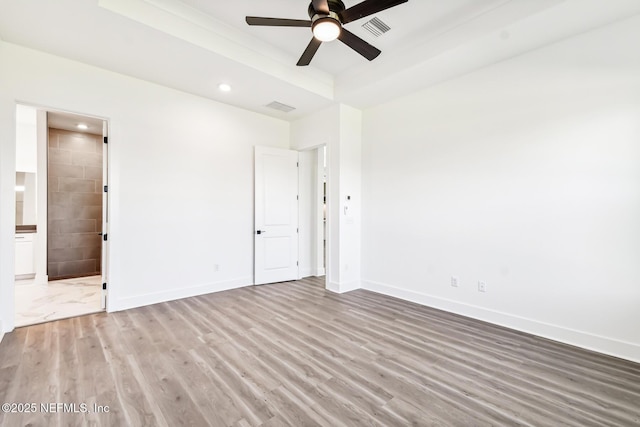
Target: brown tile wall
75,204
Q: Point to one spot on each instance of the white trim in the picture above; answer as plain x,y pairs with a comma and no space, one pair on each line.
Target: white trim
1,331
305,273
175,294
341,288
42,177
41,279
319,234
319,272
609,346
333,287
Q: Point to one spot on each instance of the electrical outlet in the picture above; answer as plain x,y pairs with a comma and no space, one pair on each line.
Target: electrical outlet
454,281
482,287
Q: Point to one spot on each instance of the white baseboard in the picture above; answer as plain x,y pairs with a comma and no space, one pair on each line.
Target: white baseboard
311,272
304,273
30,279
341,288
1,331
175,294
612,347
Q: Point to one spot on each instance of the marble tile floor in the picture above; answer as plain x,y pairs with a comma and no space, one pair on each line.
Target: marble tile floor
60,299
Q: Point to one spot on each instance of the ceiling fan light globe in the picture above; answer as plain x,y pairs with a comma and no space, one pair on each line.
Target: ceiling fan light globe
326,29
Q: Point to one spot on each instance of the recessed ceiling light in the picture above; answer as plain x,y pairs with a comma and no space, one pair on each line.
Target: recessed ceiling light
224,87
82,126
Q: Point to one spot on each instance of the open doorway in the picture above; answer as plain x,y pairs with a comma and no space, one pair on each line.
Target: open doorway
290,240
313,212
320,212
61,217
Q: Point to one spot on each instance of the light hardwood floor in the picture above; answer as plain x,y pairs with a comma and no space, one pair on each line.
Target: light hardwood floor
295,354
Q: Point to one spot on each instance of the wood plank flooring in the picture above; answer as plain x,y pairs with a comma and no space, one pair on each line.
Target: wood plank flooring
295,354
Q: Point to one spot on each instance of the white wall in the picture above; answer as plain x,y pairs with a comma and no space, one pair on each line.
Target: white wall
315,130
340,129
26,139
309,134
181,177
345,209
526,175
7,200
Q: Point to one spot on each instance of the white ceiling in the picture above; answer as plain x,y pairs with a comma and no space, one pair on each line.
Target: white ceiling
70,122
193,45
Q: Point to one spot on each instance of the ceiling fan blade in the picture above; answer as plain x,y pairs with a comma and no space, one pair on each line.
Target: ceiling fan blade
359,45
308,53
366,8
321,6
277,22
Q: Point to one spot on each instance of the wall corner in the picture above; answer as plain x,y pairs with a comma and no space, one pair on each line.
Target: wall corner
341,288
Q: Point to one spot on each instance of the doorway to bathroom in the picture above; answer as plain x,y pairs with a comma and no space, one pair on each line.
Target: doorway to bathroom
61,215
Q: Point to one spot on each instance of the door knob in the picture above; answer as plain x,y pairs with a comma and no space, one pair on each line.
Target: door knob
260,231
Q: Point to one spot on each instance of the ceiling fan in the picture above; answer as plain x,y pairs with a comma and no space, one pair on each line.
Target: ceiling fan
327,24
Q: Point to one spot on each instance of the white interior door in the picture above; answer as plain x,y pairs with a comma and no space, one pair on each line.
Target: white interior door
105,217
276,215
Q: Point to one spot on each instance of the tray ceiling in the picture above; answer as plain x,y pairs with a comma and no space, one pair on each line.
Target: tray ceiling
193,45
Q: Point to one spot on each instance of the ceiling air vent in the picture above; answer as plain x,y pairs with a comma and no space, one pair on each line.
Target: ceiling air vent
280,106
376,27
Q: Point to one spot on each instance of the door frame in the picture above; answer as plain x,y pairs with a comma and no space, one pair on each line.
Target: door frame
318,233
321,217
104,250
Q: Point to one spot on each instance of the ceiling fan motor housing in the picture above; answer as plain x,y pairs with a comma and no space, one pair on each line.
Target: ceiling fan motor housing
335,6
326,23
